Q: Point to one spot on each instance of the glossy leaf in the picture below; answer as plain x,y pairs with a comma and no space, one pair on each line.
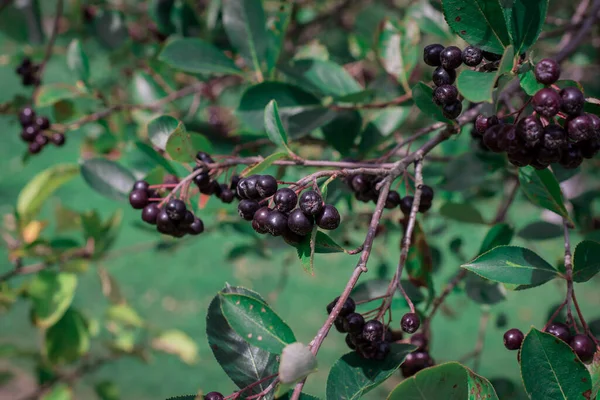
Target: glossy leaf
161,128
77,61
323,244
52,93
482,291
183,145
155,157
274,126
541,230
197,57
479,22
41,187
446,381
423,97
256,322
108,178
326,77
242,362
177,343
542,189
463,212
51,294
498,235
478,86
398,49
341,133
68,339
524,20
586,261
264,164
550,369
513,265
297,362
529,84
144,88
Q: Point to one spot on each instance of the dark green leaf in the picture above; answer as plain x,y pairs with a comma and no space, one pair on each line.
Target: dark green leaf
68,339
183,145
463,212
524,19
445,381
277,32
197,57
542,188
483,291
107,390
323,244
423,97
512,265
479,22
144,88
264,164
51,294
322,76
586,261
529,84
108,178
155,157
341,133
274,126
256,322
160,12
352,376
77,61
541,230
478,86
159,130
243,363
111,28
498,235
398,49
550,369
47,95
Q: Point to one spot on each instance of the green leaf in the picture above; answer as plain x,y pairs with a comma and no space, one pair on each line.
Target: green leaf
326,77
541,230
351,377
108,178
300,112
463,212
595,373
47,95
498,235
586,261
61,391
160,128
177,343
197,57
124,314
68,339
41,187
341,133
110,27
160,12
280,21
323,244
446,381
430,20
512,265
155,157
478,86
183,145
107,390
256,322
479,22
550,369
274,127
242,362
542,189
398,49
529,84
77,61
264,164
144,88
51,294
297,362
524,19
423,97
245,25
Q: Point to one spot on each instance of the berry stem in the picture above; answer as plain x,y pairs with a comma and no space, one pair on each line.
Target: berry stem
237,394
583,323
57,15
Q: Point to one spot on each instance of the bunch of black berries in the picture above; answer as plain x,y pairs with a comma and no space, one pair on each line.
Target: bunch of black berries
36,131
370,339
207,185
28,71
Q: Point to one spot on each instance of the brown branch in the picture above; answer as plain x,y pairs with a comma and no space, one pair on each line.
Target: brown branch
53,36
373,106
504,207
582,34
569,273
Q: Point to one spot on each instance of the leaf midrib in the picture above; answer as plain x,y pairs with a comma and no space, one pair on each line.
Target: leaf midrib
489,23
551,368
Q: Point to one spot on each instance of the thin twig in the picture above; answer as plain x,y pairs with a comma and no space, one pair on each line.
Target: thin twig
53,36
569,273
373,106
250,386
582,34
504,206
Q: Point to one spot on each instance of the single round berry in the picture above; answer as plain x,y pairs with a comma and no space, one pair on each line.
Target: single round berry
547,71
354,323
513,339
415,362
419,340
42,122
29,133
196,227
481,124
431,54
202,180
572,101
373,331
141,185
392,200
247,208
493,139
580,128
472,56
339,324
546,102
452,110
58,139
328,218
451,57
410,322
213,396
204,157
350,342
559,330
522,157
260,219
41,139
34,148
188,219
348,308
227,194
530,129
406,204
548,156
595,124
492,56
150,213
26,116
360,183
584,347
292,237
164,224
266,186
445,94
285,200
554,137
300,223
571,156
383,349
176,209
443,76
138,199
311,202
426,194
277,223
247,188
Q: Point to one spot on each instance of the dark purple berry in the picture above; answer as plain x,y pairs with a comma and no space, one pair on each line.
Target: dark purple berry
359,183
445,94
571,157
164,224
196,227
41,139
247,188
559,330
548,156
546,102
431,54
373,331
595,124
348,308
204,157
29,133
584,347
451,57
452,110
26,116
419,340
277,223
311,202
572,101
138,199
415,362
472,56
247,208
202,180
383,349
547,71
328,218
150,213
300,223
354,323
339,324
426,194
58,139
513,339
42,122
213,396
227,194
589,148
443,76
141,185
410,322
234,182
492,56
266,186
493,139
285,200
188,219
350,342
530,129
406,204
392,200
521,157
260,219
34,148
554,137
292,237
580,128
176,209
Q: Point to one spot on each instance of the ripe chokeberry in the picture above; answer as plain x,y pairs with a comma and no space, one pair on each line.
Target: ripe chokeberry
373,331
277,223
443,76
410,322
300,223
572,100
41,139
559,330
34,148
58,139
359,183
472,56
546,102
548,156
547,71
311,202
451,57
571,156
584,347
513,339
42,122
339,324
589,148
227,194
214,396
150,213
204,157
176,209
348,308
141,185
247,188
285,200
419,340
392,200
164,224
493,139
266,186
354,323
445,94
580,128
406,204
260,219
196,227
202,180
26,116
29,133
452,110
350,342
483,123
415,362
247,208
138,199
426,194
530,129
522,157
383,349
554,137
328,218
431,54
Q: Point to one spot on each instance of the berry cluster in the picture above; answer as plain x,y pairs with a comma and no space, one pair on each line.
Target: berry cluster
370,339
365,190
283,219
172,219
35,131
582,345
28,72
206,185
539,139
418,359
447,60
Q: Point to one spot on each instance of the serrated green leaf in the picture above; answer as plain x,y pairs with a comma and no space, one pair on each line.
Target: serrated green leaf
264,164
423,97
586,261
542,189
77,61
51,294
108,178
197,57
524,20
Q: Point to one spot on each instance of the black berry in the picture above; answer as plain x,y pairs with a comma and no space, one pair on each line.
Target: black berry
196,227
202,180
41,139
530,129
348,308
572,101
29,133
266,186
392,200
260,219
406,204
311,202
328,218
42,122
472,56
452,110
141,185
277,223
513,339
164,224
373,331
227,194
559,330
522,157
359,183
58,139
339,324
548,156
300,223
383,349
445,94
589,148
426,194
247,208
176,209
214,396
204,157
350,342
431,54
547,71
34,148
410,322
354,323
26,116
584,347
493,139
443,76
451,57
415,362
138,199
571,156
580,128
150,213
419,340
247,188
546,102
554,137
285,200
